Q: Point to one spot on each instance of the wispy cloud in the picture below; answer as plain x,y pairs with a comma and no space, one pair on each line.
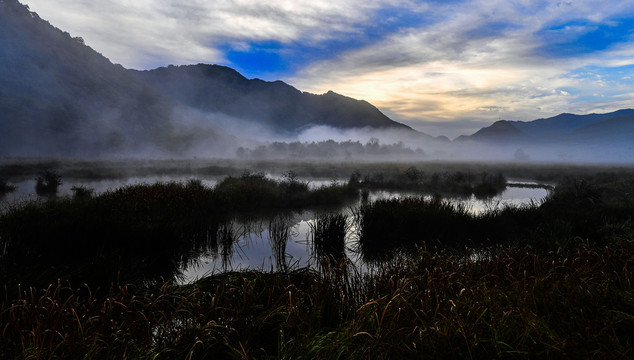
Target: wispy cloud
451,65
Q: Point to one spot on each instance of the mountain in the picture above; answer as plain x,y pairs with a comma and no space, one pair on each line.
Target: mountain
501,132
555,128
60,97
619,129
608,129
283,108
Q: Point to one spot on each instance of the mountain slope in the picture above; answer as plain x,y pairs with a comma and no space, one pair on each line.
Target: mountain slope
556,127
60,97
614,130
501,132
214,88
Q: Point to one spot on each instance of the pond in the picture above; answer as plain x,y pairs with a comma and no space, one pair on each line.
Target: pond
279,241
255,246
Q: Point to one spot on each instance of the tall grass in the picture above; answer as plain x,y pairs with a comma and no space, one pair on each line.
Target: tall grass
450,184
576,212
508,304
5,188
389,225
279,233
328,232
139,232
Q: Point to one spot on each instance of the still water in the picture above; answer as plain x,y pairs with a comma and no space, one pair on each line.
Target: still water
284,241
255,247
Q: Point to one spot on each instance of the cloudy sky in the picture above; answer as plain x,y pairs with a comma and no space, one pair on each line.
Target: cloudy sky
443,67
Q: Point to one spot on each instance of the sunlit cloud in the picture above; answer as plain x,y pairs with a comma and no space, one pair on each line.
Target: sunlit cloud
445,67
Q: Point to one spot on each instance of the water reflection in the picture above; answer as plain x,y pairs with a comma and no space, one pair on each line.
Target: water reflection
279,241
303,238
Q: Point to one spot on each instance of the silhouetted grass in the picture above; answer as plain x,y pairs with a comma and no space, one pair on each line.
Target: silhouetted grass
251,192
449,184
575,212
48,183
328,232
138,232
5,188
496,302
390,225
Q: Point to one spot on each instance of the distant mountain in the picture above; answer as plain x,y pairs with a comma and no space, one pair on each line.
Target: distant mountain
555,128
618,129
214,88
501,132
609,128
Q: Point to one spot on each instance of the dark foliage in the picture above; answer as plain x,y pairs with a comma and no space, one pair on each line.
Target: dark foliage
48,183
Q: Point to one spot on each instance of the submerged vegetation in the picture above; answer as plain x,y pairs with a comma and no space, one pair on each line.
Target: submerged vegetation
96,277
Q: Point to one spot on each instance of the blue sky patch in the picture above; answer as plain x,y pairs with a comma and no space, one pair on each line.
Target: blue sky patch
582,37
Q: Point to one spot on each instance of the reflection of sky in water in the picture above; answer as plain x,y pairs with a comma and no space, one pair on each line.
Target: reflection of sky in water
253,250
26,189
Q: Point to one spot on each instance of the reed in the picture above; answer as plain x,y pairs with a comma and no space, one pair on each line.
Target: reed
504,303
5,188
328,232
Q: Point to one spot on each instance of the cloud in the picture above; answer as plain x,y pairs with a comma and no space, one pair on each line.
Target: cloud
140,34
425,63
477,57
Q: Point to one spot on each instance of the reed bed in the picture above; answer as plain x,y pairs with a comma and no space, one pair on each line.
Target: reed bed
507,303
452,184
139,232
549,280
328,232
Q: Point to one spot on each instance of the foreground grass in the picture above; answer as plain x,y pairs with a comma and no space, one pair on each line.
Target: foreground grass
549,280
501,302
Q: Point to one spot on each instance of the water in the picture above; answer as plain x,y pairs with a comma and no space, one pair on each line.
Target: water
255,243
253,248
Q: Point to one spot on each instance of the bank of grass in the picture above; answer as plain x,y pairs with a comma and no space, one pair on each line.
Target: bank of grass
549,280
482,184
496,302
577,211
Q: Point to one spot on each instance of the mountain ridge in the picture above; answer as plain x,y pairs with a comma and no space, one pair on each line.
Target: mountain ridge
559,129
217,88
60,97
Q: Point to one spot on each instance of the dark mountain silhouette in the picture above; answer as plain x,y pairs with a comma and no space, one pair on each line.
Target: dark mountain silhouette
501,132
60,97
597,129
214,88
559,126
618,129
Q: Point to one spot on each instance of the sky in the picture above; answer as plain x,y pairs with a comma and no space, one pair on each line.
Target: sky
442,67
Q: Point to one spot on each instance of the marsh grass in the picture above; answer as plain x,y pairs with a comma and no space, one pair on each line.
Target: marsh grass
389,225
576,211
279,233
547,280
450,184
48,183
432,304
328,235
144,231
5,188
